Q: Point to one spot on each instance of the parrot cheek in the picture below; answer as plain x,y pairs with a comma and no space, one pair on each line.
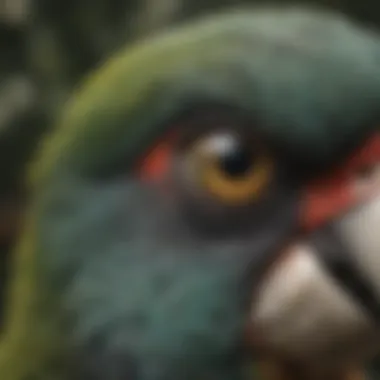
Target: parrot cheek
165,325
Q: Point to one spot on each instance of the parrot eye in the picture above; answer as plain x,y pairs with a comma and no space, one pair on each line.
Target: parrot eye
217,169
229,167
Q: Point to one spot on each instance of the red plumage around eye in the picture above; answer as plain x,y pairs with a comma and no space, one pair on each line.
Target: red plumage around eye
156,164
328,197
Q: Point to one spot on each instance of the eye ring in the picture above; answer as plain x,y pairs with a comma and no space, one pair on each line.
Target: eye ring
230,168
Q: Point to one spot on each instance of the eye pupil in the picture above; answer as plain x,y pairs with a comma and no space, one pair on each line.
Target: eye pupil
236,160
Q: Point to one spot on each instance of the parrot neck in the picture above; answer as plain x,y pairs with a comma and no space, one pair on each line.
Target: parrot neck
32,343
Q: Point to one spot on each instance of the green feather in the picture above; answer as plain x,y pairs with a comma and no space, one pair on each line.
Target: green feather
310,80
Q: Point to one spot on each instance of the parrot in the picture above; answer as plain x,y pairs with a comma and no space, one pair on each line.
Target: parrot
206,207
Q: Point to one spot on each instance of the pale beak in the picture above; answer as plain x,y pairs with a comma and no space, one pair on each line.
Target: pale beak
317,308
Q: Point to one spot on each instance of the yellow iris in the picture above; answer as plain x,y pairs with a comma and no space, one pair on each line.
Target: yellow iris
233,189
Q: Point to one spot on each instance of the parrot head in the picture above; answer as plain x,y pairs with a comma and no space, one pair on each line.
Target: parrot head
210,195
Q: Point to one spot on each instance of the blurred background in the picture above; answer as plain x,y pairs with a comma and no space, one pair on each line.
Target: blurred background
47,46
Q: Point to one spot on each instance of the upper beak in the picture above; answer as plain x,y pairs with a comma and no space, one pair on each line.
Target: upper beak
319,302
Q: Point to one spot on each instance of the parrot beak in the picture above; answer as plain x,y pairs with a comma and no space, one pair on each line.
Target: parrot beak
317,308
